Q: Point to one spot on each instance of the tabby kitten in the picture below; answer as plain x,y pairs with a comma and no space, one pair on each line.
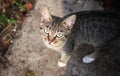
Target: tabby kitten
55,31
92,27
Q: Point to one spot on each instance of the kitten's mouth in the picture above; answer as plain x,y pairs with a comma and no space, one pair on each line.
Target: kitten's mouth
51,43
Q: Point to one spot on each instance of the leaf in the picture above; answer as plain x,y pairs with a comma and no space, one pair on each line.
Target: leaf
11,21
30,73
5,42
3,19
29,6
21,7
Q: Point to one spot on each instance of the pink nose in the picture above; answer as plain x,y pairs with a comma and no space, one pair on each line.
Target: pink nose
51,40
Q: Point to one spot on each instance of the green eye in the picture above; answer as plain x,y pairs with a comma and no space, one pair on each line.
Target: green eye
46,31
59,35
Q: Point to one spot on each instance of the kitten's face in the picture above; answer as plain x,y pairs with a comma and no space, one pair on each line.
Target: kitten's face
53,34
55,31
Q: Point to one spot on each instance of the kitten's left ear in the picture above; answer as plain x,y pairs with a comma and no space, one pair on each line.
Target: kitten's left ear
45,15
69,22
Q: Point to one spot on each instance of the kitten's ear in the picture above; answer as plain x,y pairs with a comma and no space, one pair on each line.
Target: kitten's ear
69,22
45,15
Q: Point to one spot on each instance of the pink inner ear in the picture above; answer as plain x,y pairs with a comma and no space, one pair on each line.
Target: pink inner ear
42,19
70,27
70,21
45,18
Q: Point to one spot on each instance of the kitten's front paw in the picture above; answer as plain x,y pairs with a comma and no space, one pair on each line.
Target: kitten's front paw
61,64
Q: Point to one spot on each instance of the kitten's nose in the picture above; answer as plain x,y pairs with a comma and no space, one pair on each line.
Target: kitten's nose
50,40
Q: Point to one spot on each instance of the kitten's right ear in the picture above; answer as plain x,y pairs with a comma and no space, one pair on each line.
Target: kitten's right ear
69,22
45,15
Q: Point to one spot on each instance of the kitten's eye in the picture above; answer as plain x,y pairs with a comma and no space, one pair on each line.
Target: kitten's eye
46,31
59,35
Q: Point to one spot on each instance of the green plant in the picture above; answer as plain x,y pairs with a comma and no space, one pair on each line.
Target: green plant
3,19
21,7
30,73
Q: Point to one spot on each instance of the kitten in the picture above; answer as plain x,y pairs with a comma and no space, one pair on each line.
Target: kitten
54,32
107,62
92,27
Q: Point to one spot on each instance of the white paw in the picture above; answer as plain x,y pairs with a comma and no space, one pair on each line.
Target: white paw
61,64
88,59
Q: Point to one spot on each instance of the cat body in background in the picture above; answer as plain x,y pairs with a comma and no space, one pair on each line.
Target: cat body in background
91,27
107,62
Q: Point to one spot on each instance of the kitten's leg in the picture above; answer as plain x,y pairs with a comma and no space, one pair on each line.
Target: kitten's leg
63,60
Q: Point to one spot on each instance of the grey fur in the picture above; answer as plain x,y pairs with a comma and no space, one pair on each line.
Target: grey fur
107,62
93,27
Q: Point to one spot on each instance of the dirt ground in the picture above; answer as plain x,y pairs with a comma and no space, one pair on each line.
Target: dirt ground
28,51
